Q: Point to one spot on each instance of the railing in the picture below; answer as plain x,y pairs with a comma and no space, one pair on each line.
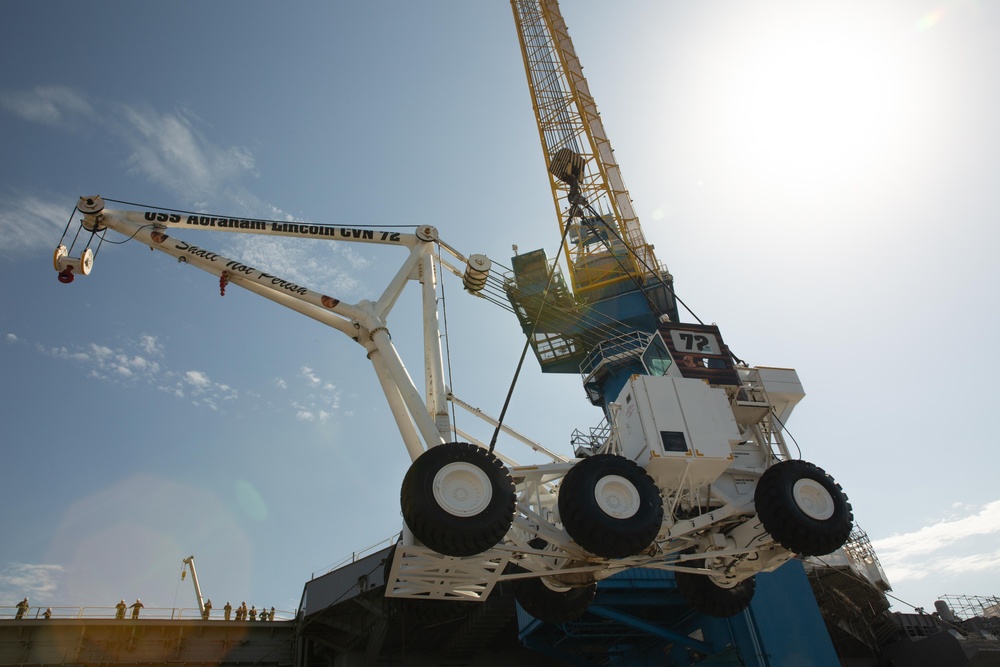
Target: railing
358,555
597,440
158,613
623,347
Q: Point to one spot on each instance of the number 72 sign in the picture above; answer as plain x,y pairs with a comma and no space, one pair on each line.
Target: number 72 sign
695,342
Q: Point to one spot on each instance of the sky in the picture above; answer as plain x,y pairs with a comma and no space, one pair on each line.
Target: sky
819,177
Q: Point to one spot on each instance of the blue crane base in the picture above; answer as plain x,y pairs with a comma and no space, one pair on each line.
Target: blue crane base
639,618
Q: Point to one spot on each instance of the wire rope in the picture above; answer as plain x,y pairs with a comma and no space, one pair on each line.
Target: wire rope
447,344
68,223
524,350
282,222
646,266
918,610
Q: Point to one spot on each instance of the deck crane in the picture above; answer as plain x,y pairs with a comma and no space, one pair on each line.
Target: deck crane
189,562
618,326
617,283
689,474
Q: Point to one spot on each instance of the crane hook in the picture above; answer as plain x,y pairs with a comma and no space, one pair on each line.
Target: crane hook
223,281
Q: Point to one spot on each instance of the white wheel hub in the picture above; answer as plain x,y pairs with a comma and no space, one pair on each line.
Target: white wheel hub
462,489
718,576
552,586
617,497
813,499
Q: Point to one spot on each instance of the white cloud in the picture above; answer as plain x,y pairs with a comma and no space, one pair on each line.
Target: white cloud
10,338
37,581
310,377
319,265
326,398
956,545
167,149
101,351
29,223
198,379
203,391
984,562
942,534
131,365
150,346
310,397
48,105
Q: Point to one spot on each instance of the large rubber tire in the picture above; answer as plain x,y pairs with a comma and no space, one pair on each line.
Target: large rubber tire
803,508
552,606
610,506
458,499
704,595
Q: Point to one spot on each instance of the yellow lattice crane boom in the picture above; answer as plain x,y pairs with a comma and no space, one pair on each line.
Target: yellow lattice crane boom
616,283
573,137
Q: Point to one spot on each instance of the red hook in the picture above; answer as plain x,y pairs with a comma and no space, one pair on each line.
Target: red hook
66,275
223,281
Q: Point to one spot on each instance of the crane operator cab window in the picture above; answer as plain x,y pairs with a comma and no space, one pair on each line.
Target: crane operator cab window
656,358
687,351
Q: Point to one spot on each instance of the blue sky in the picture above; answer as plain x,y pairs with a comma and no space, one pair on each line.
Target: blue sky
820,178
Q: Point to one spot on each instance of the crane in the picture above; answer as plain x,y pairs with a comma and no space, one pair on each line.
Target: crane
189,562
617,284
617,321
689,472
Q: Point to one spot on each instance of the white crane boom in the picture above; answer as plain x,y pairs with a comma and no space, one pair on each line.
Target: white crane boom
189,561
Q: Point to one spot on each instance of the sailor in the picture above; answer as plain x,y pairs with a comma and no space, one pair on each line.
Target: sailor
135,607
120,609
208,609
22,608
228,609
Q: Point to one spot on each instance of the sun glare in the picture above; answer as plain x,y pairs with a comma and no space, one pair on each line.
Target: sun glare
811,103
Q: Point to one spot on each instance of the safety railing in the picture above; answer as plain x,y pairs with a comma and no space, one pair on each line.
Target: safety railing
624,347
358,555
9,613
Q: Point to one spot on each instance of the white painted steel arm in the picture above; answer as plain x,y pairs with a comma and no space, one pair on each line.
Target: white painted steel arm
508,430
398,282
397,406
423,421
437,399
189,561
299,230
323,308
382,345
